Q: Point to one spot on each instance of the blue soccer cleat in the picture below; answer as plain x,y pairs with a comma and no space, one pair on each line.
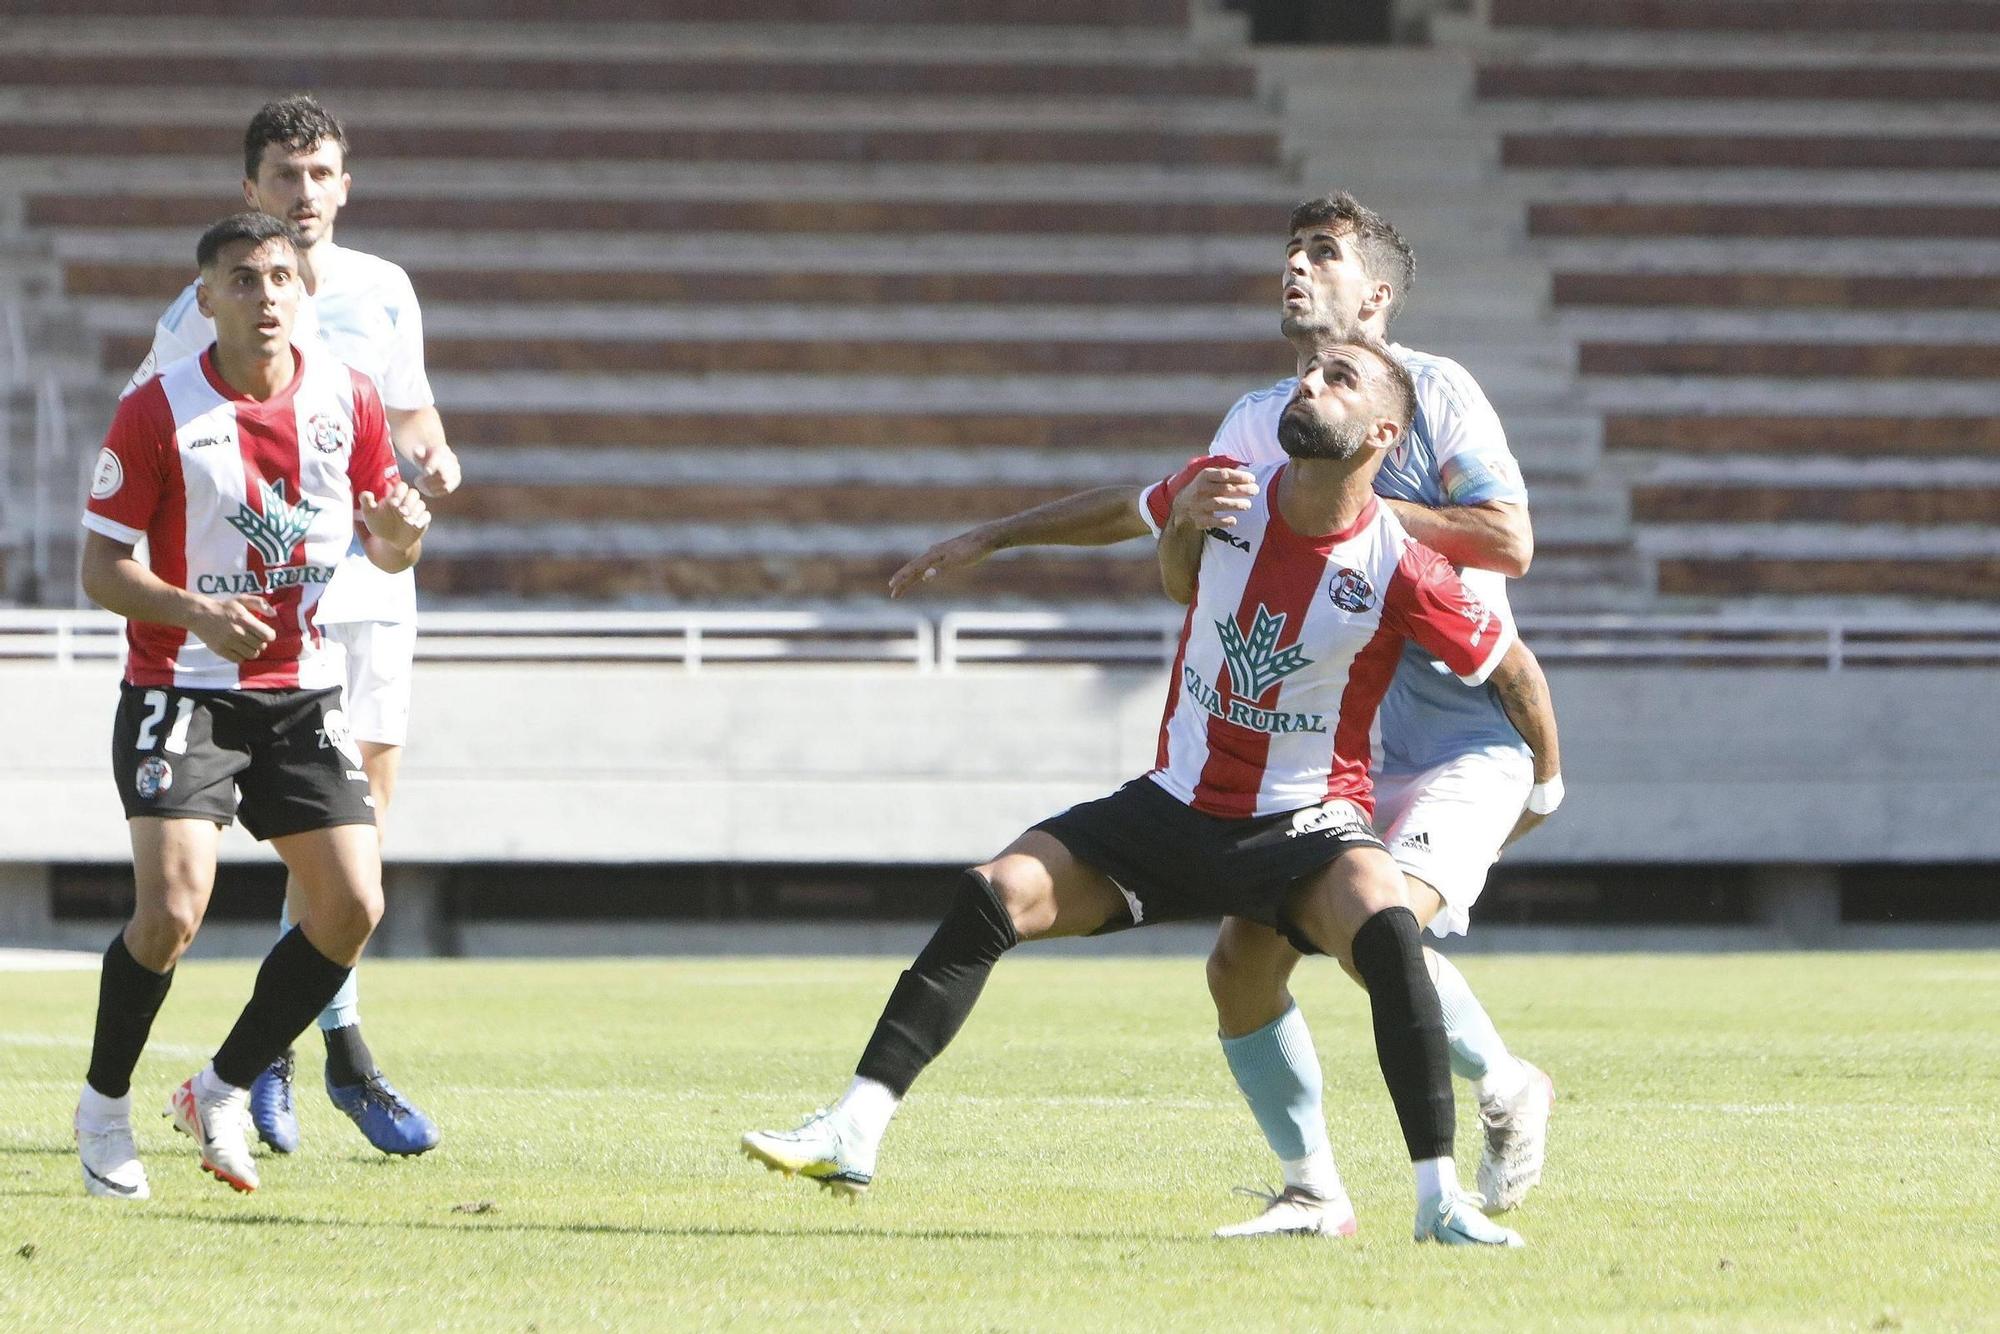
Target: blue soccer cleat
271,1109
385,1116
1455,1220
826,1149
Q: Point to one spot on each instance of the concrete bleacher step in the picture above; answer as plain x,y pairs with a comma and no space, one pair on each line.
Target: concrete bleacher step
1735,16
940,13
1803,360
1884,218
1803,435
1776,290
1570,79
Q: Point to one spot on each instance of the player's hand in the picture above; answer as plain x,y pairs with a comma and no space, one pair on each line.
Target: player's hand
398,518
1214,498
956,553
441,474
236,628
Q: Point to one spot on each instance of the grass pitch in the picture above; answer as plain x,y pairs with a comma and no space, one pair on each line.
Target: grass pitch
1746,1141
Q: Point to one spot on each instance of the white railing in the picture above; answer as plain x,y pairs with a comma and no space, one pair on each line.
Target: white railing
960,640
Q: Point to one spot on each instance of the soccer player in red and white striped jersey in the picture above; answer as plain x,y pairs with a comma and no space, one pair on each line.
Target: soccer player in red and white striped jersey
1258,802
247,471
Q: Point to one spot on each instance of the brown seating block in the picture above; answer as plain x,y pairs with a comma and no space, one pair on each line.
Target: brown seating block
1880,152
1770,291
1172,437
1795,504
648,356
1100,13
1948,579
161,282
1818,83
800,143
883,500
1801,16
1885,219
516,213
1688,433
1870,360
333,73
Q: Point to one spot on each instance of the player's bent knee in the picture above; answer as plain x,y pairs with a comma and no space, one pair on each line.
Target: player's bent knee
160,933
1023,889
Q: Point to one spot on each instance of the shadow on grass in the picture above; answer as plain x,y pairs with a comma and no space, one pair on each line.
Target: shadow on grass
718,1231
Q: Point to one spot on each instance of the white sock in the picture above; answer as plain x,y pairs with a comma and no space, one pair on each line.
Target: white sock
209,1086
1315,1172
94,1111
868,1105
1436,1177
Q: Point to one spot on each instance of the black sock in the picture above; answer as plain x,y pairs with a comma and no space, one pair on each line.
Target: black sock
935,993
295,983
128,996
348,1060
1409,1029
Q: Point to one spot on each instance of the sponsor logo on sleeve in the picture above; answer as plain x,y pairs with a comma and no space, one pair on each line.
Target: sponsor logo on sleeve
109,476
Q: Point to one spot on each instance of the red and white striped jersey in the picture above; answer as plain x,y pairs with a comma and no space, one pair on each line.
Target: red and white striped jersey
234,496
1289,645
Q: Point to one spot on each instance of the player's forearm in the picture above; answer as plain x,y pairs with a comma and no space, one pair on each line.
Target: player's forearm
417,433
120,584
1180,559
387,556
1087,519
1524,695
1496,536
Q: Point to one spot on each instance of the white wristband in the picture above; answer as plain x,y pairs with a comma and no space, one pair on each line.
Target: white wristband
1543,798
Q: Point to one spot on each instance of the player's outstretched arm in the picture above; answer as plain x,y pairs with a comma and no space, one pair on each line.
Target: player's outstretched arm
1087,519
1212,499
1493,535
1524,694
393,527
418,435
236,628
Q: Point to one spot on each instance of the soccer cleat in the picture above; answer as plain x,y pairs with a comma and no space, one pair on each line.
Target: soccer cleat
1294,1212
271,1108
221,1128
111,1166
385,1116
825,1149
1455,1220
1517,1139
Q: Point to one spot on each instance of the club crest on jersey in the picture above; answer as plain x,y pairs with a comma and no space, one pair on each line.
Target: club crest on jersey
1256,663
330,432
279,528
1350,590
154,777
109,477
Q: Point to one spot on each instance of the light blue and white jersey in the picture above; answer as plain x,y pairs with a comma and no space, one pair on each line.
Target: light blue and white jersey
1456,454
365,312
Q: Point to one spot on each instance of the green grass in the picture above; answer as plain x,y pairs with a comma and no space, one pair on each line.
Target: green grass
1748,1141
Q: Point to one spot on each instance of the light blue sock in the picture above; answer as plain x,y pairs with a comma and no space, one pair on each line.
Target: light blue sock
1278,1071
1477,1053
344,1010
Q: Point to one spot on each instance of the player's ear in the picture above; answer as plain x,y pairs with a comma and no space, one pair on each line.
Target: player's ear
1386,435
201,298
1380,294
250,192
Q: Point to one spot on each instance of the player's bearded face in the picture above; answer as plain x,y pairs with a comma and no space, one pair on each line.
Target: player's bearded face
306,187
1304,434
1322,288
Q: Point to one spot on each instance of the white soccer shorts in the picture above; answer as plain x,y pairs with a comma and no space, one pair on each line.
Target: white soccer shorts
379,660
1445,825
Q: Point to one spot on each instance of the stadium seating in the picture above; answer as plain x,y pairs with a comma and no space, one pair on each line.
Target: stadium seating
751,305
1771,232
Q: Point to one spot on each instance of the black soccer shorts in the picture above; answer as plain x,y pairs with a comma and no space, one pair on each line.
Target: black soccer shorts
1175,863
189,753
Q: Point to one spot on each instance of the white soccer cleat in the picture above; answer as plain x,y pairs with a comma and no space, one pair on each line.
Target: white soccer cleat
825,1149
1295,1212
1455,1220
221,1127
1517,1139
111,1166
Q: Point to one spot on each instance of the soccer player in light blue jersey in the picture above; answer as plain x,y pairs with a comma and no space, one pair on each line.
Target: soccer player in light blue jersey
363,309
1454,780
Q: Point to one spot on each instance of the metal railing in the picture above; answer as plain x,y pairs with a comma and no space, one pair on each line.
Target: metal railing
957,641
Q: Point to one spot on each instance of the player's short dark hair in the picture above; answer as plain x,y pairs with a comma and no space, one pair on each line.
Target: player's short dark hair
253,227
295,123
1384,253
